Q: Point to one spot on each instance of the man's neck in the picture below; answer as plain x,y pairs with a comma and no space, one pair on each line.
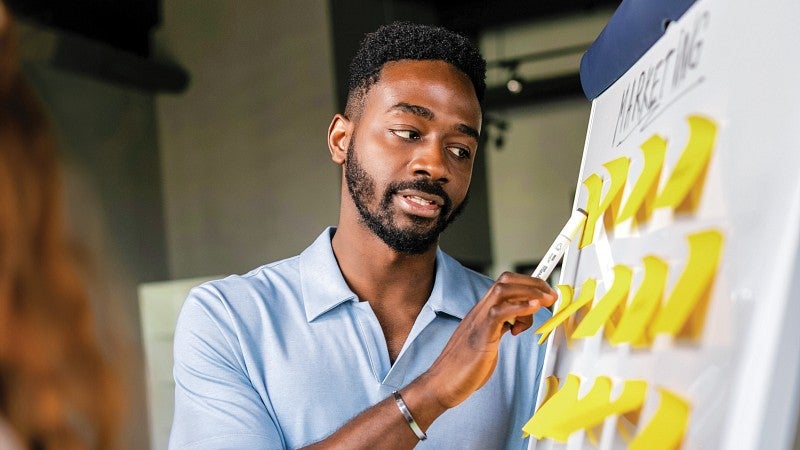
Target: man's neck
395,285
378,274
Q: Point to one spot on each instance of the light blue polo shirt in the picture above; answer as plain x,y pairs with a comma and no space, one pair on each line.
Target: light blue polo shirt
284,355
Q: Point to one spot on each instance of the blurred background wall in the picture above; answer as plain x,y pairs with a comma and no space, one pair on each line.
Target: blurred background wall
194,135
247,174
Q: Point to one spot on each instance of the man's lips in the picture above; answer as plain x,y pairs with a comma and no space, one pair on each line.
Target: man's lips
420,203
422,198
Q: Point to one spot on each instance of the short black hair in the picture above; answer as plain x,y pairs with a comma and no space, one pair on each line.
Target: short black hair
405,40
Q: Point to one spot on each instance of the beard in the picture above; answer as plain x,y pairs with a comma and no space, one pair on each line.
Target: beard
415,239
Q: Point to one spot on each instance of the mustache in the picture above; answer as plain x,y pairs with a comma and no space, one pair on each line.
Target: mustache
421,185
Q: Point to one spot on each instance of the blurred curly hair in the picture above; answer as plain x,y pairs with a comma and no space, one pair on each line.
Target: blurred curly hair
57,388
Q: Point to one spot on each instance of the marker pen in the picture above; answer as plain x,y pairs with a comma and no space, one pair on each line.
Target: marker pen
575,224
562,241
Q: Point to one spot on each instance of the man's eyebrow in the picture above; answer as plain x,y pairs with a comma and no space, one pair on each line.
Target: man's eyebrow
417,110
426,113
468,130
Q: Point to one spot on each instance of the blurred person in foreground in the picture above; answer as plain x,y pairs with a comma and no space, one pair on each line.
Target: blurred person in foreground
373,337
57,389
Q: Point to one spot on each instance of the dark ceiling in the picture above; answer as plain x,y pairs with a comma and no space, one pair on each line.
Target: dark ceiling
128,24
123,24
470,16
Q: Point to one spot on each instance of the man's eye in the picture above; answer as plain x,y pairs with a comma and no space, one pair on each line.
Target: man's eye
406,134
459,152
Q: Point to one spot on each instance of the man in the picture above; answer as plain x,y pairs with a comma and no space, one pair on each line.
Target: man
372,337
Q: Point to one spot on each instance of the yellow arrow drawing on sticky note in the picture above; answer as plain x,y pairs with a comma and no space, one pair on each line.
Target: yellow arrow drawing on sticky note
687,174
596,406
645,302
627,423
667,427
602,311
691,291
547,413
609,205
569,294
569,323
566,295
582,413
565,413
551,387
594,186
647,183
586,296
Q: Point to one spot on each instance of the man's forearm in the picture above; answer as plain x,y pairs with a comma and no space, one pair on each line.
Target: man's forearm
383,425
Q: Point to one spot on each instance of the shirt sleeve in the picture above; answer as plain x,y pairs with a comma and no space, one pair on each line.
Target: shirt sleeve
216,406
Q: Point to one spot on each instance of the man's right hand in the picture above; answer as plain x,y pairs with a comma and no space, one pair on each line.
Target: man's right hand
470,356
465,364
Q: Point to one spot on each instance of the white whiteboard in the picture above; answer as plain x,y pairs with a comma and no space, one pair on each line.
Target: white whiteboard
736,63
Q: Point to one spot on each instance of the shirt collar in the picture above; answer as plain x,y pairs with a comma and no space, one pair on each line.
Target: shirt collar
322,282
324,287
453,291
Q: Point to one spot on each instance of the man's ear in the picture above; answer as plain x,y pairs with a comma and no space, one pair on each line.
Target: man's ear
339,135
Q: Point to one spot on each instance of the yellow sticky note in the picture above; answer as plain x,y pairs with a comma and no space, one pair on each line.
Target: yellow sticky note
692,289
687,174
547,414
566,294
610,205
646,185
551,384
592,435
645,302
595,407
572,321
631,399
594,185
667,427
595,208
581,414
602,311
627,423
551,387
586,296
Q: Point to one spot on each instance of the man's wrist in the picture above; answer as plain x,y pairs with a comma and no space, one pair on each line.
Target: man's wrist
420,400
401,405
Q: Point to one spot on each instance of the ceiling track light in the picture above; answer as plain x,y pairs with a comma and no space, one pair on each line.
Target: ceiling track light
515,83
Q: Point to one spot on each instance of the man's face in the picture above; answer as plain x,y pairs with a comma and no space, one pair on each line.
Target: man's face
409,173
413,239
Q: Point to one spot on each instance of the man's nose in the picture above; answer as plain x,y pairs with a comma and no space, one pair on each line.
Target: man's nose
429,160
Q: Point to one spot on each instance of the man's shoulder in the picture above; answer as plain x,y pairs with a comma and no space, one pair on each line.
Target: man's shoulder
260,281
279,271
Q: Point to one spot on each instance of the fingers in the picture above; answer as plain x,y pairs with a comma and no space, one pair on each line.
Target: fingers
521,313
517,288
470,356
522,323
515,297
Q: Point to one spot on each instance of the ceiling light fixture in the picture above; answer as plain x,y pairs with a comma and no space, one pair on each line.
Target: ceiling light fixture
515,84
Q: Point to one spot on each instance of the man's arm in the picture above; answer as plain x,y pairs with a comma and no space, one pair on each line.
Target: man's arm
216,406
466,363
